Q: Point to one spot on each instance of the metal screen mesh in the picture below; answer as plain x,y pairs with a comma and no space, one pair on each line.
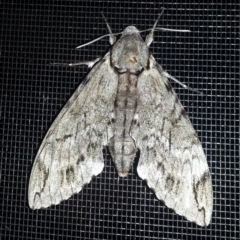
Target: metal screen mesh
35,34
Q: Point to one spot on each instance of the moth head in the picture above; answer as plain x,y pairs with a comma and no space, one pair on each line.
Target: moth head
130,30
130,53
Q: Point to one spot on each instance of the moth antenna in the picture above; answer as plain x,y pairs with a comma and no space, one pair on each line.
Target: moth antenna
149,37
96,39
172,30
164,29
112,38
110,35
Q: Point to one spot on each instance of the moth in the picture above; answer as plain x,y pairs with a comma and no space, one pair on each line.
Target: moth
126,103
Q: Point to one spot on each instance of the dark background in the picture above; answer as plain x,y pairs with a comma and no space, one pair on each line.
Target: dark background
35,34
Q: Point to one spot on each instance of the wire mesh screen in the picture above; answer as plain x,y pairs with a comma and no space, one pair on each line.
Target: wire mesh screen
33,91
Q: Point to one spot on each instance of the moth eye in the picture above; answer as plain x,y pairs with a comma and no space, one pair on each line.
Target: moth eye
138,71
119,69
111,121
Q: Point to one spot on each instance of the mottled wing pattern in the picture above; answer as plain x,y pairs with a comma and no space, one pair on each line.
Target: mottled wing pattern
172,160
71,152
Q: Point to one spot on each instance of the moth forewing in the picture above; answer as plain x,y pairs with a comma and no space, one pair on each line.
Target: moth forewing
126,103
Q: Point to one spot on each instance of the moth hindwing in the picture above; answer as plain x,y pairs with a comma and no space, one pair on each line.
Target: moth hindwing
126,103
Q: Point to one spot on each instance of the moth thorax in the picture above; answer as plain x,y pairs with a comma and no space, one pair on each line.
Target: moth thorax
130,63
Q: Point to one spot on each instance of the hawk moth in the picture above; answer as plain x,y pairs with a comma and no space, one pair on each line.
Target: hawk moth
126,103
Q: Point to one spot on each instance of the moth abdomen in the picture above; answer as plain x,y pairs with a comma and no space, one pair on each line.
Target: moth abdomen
123,151
122,146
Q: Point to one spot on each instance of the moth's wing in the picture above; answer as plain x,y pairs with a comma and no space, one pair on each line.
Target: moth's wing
172,160
71,152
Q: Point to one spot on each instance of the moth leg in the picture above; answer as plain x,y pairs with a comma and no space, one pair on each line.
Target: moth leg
88,63
112,38
166,74
149,37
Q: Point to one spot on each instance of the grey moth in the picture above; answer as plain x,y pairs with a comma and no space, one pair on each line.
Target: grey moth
126,103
